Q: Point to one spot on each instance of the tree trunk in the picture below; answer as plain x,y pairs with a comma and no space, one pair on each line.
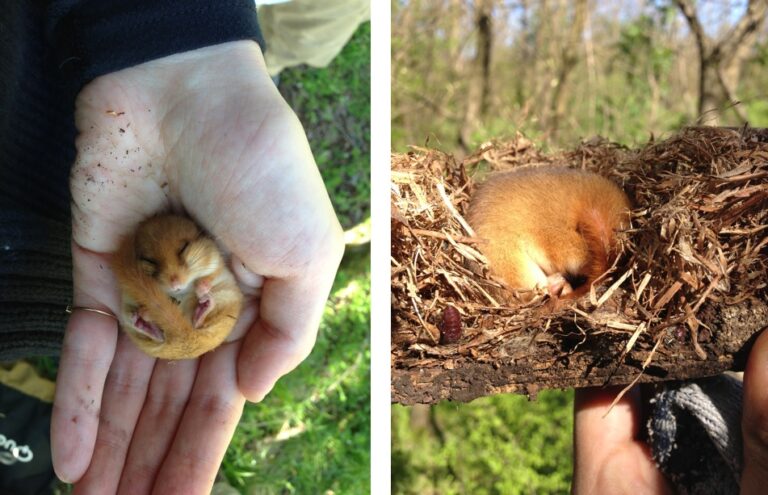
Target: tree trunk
454,36
479,90
569,57
721,61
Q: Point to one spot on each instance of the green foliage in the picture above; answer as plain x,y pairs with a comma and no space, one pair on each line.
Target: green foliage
639,54
502,444
757,113
46,366
333,104
754,88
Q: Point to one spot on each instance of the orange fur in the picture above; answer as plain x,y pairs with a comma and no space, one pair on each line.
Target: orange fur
174,279
545,227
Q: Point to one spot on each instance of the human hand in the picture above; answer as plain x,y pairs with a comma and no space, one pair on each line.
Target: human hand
609,458
608,455
204,132
754,419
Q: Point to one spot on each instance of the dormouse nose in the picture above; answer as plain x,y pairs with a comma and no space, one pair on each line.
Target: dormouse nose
175,282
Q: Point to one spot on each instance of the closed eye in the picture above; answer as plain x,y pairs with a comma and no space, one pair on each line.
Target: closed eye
183,248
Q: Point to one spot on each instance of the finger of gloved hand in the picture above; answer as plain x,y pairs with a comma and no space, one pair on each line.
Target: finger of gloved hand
754,422
86,355
123,399
210,418
284,335
164,406
608,455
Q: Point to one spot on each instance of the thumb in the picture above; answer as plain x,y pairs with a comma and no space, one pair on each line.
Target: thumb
754,421
609,456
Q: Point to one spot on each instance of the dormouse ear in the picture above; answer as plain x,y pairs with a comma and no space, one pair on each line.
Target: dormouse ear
147,329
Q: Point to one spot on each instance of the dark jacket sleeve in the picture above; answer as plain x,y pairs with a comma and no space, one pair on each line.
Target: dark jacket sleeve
47,52
95,37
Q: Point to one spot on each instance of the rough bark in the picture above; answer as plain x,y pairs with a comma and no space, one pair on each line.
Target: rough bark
585,359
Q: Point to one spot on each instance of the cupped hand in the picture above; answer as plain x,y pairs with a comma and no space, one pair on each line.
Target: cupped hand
609,456
205,133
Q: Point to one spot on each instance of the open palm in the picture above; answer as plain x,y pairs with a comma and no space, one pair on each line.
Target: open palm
205,133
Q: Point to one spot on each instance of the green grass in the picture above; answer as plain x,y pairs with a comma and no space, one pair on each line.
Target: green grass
501,444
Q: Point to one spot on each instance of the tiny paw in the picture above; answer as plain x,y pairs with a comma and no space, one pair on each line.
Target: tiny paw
204,307
557,285
203,287
144,326
138,313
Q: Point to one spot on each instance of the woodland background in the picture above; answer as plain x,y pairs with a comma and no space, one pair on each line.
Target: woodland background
559,71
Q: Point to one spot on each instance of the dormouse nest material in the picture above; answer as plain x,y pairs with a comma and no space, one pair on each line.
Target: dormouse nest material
698,243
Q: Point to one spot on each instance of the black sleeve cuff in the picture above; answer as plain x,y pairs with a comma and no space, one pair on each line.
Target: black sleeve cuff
94,37
35,283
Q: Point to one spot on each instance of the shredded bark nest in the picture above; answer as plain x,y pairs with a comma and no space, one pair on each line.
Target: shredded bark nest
698,242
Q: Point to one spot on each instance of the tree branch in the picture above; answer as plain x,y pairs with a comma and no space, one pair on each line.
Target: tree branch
689,12
748,24
734,102
588,359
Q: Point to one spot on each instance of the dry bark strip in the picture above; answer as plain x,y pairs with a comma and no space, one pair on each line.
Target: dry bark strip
542,361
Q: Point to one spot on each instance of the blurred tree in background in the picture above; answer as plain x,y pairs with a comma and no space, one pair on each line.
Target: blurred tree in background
563,70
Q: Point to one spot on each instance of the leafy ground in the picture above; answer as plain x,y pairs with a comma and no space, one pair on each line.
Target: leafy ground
501,444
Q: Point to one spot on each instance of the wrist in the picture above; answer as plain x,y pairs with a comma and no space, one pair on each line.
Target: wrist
91,39
232,66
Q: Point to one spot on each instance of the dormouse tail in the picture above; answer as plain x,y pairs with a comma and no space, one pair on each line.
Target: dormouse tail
596,227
